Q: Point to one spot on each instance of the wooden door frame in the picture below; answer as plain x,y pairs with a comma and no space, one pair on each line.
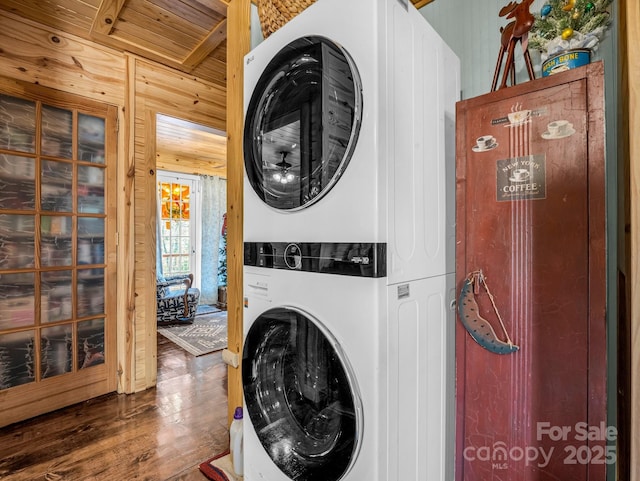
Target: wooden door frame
238,44
631,118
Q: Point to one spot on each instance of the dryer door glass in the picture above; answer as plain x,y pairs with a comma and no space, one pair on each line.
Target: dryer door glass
301,396
302,123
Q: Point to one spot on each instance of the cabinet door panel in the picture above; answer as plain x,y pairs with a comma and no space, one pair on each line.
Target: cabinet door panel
525,197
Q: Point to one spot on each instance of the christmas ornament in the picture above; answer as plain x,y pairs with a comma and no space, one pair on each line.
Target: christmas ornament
587,19
567,33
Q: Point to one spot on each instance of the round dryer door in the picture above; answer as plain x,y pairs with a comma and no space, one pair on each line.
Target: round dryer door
301,396
302,123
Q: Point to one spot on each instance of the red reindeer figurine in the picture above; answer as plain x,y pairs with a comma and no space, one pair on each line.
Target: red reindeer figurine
517,30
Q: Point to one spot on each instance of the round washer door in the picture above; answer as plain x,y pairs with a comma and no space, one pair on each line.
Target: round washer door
302,123
301,396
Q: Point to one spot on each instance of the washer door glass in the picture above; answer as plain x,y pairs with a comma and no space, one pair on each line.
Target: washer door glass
302,123
301,396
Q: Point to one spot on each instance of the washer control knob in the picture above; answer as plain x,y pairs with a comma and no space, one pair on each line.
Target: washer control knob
293,256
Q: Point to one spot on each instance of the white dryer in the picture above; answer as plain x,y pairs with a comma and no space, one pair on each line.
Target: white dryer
346,378
348,109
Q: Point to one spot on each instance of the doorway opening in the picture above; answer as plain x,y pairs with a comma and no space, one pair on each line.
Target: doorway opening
190,211
191,204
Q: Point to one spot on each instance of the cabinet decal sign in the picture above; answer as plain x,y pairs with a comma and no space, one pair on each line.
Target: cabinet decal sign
519,178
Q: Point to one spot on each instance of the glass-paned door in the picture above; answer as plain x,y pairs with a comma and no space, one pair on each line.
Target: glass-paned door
178,224
57,332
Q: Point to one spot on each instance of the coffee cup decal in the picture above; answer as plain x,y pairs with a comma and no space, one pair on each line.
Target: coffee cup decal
558,129
519,116
520,175
485,142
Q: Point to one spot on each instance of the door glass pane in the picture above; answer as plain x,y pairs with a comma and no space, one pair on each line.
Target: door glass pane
16,300
16,241
176,227
90,189
90,292
56,302
90,343
55,350
55,240
16,359
303,121
185,246
90,139
17,182
90,240
175,245
57,132
17,124
56,186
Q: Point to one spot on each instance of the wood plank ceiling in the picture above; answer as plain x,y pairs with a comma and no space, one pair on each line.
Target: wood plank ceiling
188,35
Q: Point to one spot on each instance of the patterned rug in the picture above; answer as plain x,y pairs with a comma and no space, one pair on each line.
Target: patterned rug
208,333
206,309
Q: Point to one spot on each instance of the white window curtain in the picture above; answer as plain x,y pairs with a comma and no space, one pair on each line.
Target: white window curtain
159,273
214,206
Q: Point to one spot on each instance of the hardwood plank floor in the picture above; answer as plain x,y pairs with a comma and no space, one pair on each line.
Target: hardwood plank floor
160,434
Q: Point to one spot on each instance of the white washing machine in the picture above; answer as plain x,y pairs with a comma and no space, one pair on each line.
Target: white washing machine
349,247
347,378
348,109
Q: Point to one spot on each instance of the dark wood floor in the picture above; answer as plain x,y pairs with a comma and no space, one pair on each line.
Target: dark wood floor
159,434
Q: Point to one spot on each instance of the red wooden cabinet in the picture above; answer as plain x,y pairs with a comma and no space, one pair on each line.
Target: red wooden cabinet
530,215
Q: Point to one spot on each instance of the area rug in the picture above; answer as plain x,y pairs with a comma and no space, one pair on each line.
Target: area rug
208,333
219,468
206,309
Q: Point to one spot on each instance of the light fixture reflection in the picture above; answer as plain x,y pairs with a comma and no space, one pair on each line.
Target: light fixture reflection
283,175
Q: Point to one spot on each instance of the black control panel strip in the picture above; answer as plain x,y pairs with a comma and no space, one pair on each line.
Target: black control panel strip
340,258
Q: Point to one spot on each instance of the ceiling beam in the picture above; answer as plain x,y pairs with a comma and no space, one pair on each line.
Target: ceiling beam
106,16
219,6
208,44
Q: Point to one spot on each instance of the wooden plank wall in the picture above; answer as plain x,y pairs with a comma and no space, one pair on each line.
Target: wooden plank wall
39,55
140,89
126,265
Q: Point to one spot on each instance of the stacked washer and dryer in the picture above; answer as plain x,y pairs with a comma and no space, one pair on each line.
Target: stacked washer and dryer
348,353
